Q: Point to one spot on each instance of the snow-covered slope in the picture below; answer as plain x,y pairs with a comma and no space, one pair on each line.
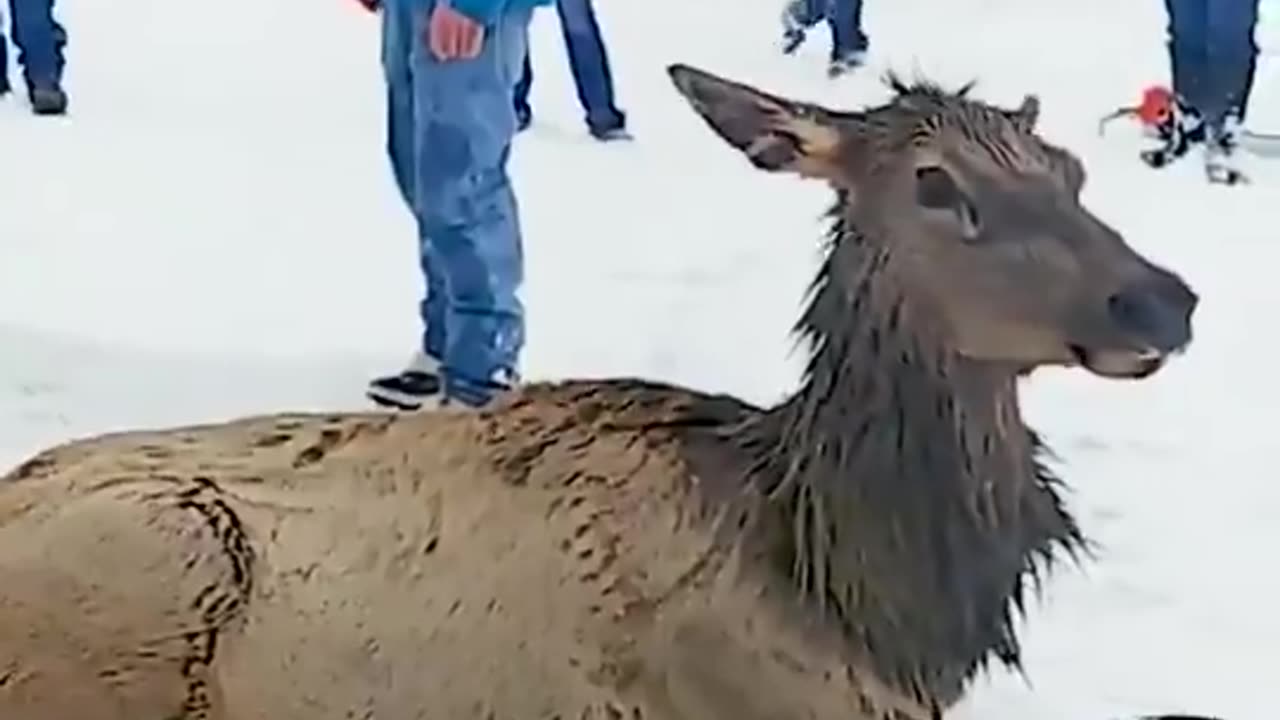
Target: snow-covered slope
214,232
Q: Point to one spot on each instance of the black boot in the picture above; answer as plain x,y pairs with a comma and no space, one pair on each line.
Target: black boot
47,98
794,24
1182,129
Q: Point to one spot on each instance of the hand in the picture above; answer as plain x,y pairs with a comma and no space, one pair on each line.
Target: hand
452,35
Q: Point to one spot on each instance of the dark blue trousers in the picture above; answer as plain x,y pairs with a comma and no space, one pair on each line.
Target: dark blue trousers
1213,55
589,63
40,40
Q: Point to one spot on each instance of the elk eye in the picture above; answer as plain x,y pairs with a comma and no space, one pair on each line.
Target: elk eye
936,189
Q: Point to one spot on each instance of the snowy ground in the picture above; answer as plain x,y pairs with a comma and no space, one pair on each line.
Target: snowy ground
213,232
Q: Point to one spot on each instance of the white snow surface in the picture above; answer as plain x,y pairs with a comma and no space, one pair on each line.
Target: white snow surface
213,231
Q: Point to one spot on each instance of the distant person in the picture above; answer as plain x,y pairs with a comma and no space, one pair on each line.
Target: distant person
589,63
450,69
40,40
844,17
1212,60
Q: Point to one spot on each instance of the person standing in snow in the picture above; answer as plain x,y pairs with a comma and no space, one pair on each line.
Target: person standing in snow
848,41
450,68
589,62
40,40
1212,59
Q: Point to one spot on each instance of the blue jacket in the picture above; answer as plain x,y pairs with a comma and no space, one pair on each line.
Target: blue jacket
486,11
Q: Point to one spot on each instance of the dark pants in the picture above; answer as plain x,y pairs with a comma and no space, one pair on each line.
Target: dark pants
844,17
1212,54
589,63
40,40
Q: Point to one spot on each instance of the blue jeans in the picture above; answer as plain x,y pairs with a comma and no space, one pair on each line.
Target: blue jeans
40,40
449,132
844,17
1213,55
589,63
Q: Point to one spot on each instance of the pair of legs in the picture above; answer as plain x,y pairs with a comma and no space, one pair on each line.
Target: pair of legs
589,63
40,40
1212,59
1213,55
449,130
844,17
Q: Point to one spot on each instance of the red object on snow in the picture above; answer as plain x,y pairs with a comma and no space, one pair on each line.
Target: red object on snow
1156,107
1154,112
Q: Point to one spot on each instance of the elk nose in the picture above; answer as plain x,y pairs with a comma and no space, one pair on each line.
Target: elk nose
1157,312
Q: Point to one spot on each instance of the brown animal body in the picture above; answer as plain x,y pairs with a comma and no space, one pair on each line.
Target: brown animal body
626,550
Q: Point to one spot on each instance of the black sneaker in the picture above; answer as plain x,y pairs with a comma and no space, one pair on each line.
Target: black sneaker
610,134
47,98
791,40
417,386
794,27
846,62
478,395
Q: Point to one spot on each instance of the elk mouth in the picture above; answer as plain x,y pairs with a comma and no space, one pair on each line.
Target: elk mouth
1121,364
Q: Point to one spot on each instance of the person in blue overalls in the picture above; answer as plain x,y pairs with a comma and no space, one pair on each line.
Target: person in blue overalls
450,67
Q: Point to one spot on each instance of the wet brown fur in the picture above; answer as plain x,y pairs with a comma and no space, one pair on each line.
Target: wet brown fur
613,550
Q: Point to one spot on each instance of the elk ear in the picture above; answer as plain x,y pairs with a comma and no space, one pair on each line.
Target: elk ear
775,134
1027,114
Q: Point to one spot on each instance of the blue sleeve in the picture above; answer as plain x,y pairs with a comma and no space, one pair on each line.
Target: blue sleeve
484,12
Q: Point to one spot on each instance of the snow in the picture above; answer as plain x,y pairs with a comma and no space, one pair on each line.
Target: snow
214,232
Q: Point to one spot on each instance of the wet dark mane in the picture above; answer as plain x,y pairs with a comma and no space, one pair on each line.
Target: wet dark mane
924,88
908,499
922,109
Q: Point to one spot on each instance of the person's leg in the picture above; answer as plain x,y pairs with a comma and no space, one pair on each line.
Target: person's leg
1232,55
464,200
40,40
797,17
524,111
848,42
1188,49
589,63
847,37
420,381
4,61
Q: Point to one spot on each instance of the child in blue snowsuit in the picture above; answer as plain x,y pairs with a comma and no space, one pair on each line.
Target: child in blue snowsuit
40,40
1212,57
450,70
